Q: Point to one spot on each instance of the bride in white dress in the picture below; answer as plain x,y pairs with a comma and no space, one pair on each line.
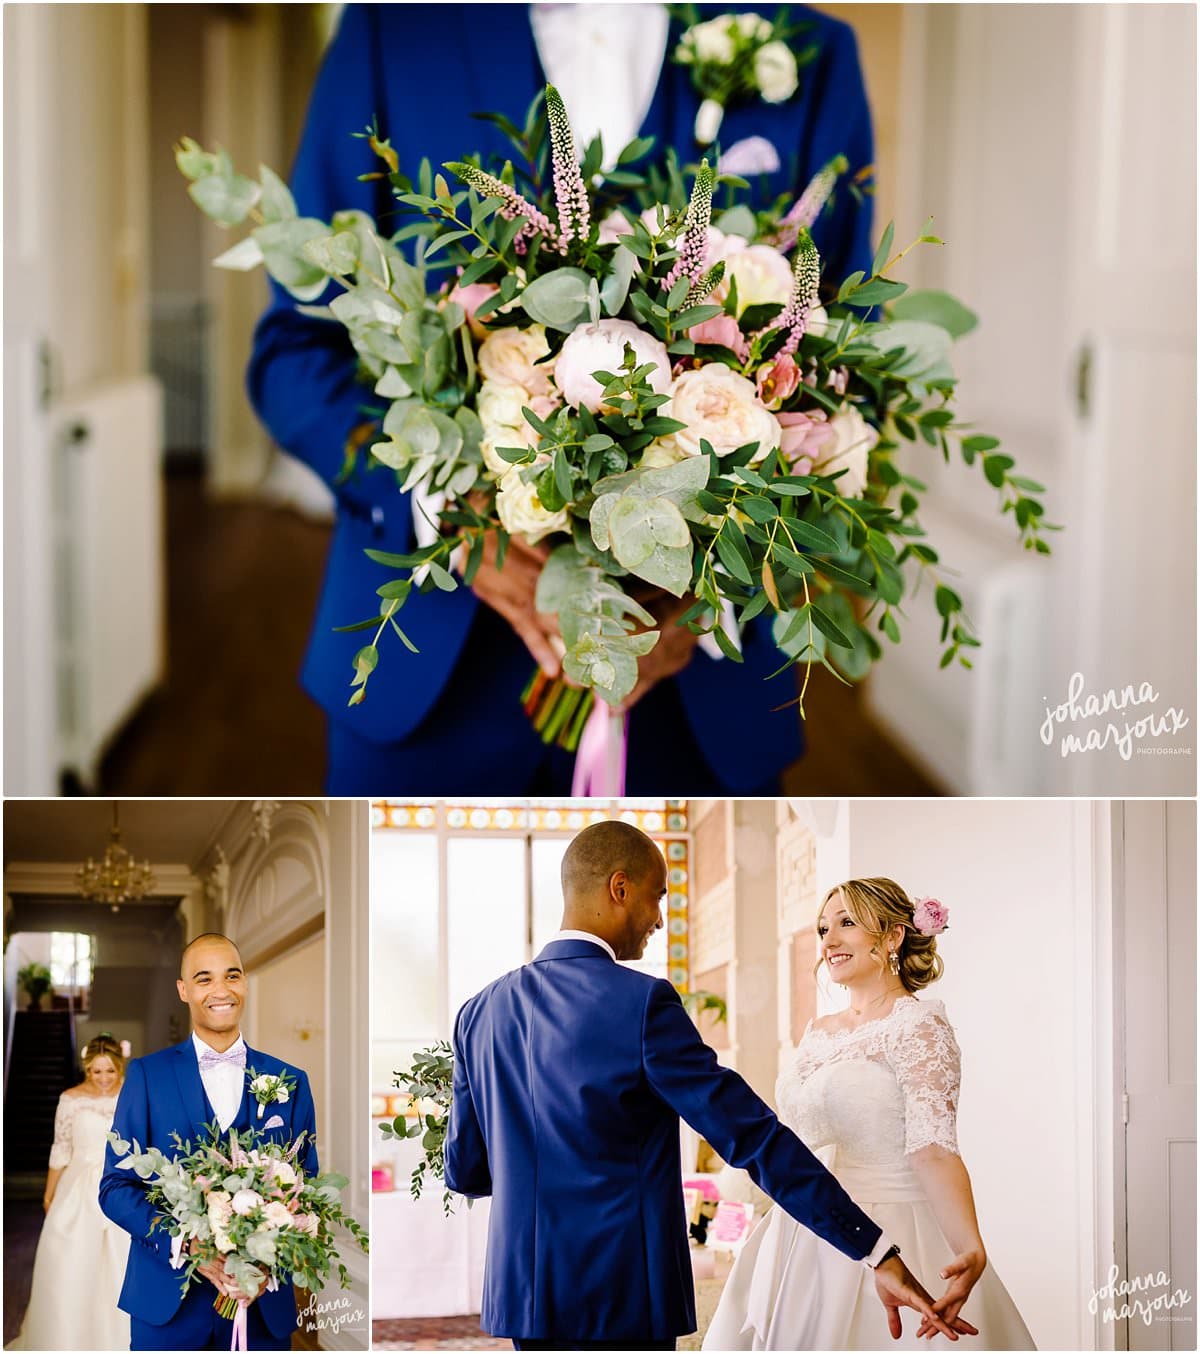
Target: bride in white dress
81,1255
873,1091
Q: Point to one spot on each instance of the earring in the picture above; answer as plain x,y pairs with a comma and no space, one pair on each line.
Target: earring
894,962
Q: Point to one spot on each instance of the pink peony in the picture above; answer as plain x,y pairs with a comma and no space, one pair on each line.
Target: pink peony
471,298
601,347
308,1222
614,225
805,437
778,380
722,329
930,917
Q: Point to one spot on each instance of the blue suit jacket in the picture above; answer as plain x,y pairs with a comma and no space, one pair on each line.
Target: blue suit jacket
570,1077
163,1094
423,70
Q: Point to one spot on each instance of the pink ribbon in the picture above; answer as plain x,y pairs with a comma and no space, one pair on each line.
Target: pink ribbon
239,1340
603,752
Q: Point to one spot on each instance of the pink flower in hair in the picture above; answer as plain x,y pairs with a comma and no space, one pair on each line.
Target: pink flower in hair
930,917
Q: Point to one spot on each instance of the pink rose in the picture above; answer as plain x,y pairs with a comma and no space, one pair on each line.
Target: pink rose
471,298
805,436
308,1222
778,380
722,329
614,225
930,917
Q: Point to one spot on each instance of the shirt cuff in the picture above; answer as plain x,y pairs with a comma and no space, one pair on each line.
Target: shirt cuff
177,1251
881,1248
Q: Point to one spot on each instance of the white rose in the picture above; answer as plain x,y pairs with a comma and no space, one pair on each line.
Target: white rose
723,408
712,41
601,347
246,1201
775,71
708,121
224,1241
753,26
663,451
499,405
816,321
276,1215
848,450
763,274
283,1172
281,1095
510,354
521,511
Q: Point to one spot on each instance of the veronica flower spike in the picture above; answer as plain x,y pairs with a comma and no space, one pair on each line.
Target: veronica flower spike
808,205
694,248
570,194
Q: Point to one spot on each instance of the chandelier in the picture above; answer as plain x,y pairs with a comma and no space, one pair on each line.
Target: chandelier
118,878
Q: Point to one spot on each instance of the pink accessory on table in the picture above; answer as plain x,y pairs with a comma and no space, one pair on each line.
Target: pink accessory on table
930,917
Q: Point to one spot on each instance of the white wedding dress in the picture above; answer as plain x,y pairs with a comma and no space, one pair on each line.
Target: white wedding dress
81,1255
862,1100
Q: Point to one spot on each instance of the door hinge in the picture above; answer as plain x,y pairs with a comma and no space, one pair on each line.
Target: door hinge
1125,1107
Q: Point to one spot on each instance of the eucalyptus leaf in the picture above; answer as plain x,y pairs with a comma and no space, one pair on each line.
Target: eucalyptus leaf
936,307
277,203
241,257
225,199
559,300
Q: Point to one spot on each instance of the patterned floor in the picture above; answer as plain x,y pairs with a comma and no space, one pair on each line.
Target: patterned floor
435,1332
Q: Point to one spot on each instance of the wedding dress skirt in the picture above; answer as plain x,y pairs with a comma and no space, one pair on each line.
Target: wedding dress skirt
81,1255
862,1104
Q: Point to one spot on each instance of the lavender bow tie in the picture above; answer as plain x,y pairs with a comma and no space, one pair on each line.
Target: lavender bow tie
235,1056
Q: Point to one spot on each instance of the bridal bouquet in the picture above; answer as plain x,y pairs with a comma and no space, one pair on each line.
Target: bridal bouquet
654,389
244,1199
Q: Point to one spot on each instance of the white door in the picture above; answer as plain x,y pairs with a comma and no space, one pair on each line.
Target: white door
30,758
1159,926
1126,595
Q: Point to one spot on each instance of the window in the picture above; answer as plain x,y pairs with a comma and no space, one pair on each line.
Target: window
71,961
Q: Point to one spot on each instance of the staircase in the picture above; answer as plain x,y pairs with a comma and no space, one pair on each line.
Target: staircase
41,1068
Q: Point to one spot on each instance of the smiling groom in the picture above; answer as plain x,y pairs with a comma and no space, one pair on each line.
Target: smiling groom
180,1090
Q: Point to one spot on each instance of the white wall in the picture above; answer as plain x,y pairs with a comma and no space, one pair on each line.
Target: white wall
1018,990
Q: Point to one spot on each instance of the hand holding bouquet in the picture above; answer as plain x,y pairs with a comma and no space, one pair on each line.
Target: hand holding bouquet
244,1201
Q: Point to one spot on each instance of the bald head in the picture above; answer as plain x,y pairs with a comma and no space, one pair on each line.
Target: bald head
613,881
207,939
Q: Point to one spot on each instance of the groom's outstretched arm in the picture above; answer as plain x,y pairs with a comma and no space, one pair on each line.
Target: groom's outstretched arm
122,1194
467,1170
743,1129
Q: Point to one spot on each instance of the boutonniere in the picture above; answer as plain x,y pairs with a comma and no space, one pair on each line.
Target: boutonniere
269,1088
736,57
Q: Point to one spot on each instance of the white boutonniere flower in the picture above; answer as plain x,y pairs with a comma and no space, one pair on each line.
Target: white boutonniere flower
736,57
270,1088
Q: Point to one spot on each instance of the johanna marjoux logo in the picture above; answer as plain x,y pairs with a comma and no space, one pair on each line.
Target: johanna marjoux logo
1130,719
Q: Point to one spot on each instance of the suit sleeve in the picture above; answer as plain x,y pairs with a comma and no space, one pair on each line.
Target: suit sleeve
304,1119
842,126
122,1194
716,1102
301,378
467,1169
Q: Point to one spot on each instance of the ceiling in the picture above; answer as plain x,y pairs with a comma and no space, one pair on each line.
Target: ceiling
167,831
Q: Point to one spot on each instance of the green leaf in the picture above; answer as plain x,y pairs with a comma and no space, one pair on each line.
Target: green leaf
739,220
830,630
636,525
731,558
639,146
277,202
814,537
726,645
847,287
616,285
442,577
558,300
936,307
876,292
225,198
994,468
282,244
947,600
885,248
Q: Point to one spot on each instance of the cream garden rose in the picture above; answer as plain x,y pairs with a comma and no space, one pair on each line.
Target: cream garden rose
520,510
775,71
601,347
763,275
499,406
712,40
723,408
510,355
848,449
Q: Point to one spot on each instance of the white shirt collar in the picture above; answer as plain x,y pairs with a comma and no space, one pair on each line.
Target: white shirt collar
585,935
201,1047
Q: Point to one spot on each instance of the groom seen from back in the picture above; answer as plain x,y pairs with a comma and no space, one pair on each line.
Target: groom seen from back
570,1077
181,1090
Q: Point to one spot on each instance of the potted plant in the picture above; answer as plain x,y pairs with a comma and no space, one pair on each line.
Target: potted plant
35,979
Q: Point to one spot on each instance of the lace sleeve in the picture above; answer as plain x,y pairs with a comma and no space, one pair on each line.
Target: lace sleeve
64,1122
925,1058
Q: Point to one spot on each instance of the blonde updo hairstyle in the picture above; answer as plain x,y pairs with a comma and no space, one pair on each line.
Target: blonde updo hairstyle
103,1046
877,905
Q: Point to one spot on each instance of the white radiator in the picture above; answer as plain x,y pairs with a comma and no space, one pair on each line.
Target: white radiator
974,731
108,563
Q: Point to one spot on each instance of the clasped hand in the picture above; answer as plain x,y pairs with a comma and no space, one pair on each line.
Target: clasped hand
217,1275
512,592
896,1287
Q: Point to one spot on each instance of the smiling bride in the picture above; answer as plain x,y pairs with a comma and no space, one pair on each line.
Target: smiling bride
873,1091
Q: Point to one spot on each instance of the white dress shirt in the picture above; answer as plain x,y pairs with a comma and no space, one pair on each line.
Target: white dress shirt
224,1084
584,935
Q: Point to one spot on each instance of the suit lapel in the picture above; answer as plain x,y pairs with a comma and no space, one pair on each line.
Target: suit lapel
191,1089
